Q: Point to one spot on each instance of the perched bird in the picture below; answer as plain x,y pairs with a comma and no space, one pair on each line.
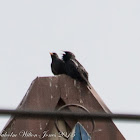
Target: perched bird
74,69
57,65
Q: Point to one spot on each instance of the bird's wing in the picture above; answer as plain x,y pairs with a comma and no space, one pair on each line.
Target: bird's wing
78,70
72,67
85,73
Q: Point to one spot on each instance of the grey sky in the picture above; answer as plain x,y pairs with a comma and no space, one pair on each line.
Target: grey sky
104,36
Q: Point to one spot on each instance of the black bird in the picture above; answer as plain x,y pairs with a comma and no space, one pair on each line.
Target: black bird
74,69
57,65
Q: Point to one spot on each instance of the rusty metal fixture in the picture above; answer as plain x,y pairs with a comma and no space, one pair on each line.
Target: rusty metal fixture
71,105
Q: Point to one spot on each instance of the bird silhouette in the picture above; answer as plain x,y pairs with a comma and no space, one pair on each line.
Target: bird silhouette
57,65
74,69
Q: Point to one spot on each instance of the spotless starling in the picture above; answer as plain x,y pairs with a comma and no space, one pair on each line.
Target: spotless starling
57,65
74,69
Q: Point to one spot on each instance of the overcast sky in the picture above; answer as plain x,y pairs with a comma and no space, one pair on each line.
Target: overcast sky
104,36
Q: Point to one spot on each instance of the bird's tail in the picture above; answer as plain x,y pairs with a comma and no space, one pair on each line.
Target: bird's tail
89,85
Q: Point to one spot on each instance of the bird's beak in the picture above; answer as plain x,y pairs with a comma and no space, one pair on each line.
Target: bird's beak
51,53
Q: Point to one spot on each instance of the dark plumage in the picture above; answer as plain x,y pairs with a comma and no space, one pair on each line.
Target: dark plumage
74,69
57,65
